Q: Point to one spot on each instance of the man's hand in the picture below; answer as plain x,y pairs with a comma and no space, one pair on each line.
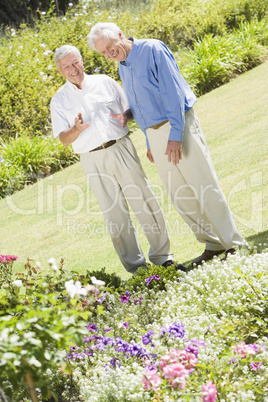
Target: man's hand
120,117
67,137
174,151
150,156
79,123
124,118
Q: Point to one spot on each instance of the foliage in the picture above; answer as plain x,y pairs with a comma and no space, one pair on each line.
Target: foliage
25,161
112,280
138,282
215,60
41,316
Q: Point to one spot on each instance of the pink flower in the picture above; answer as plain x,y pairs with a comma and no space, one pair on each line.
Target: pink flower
179,381
151,380
209,391
188,359
164,361
173,371
255,366
243,350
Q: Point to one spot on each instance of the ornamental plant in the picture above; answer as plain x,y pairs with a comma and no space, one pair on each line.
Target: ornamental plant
42,314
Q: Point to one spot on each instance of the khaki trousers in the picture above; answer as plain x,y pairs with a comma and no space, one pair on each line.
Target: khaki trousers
117,179
193,186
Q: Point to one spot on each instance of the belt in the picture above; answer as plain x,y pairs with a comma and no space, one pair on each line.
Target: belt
104,145
158,125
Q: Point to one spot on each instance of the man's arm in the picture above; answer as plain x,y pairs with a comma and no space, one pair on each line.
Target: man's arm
68,136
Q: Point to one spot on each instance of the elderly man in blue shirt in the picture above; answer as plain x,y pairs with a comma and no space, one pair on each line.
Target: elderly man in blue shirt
162,103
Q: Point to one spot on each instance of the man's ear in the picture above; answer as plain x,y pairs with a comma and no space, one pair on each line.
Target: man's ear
58,70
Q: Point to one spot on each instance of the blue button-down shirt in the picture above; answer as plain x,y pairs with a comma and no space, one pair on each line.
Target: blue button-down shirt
155,88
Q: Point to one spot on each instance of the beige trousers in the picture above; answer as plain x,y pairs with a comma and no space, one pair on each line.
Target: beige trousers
117,179
193,186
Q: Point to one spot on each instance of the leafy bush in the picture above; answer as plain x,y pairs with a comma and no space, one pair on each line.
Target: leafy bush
214,60
154,277
26,160
112,280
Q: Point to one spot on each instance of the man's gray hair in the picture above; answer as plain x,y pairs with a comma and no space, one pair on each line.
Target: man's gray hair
108,30
63,51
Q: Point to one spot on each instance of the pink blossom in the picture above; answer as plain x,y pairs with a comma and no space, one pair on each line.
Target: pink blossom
188,359
175,370
7,258
164,361
179,381
209,391
243,350
255,366
151,380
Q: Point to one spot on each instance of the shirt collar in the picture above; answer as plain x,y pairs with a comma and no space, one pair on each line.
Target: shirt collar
132,54
74,87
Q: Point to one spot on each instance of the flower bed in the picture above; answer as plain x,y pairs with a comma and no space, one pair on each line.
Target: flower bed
201,336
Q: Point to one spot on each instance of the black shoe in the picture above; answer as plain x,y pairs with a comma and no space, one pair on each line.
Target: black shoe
178,267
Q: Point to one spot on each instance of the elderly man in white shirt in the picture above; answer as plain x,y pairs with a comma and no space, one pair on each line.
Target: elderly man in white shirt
82,113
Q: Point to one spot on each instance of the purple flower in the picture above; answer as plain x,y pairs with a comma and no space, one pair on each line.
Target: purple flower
107,330
92,327
197,343
192,349
255,366
114,362
232,361
151,277
125,297
146,339
136,301
125,325
175,330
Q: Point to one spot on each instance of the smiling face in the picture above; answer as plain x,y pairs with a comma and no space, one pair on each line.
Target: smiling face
114,48
71,67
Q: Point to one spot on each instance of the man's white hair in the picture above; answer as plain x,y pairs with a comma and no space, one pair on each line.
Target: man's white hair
63,51
108,30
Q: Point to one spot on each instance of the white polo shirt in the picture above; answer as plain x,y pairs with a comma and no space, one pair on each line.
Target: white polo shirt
100,95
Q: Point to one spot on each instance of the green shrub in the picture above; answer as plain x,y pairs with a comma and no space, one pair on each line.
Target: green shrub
26,160
214,60
138,281
12,178
112,281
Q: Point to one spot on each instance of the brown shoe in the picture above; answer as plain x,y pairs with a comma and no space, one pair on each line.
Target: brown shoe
206,256
227,252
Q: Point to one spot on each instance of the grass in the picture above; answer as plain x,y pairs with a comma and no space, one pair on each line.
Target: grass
59,216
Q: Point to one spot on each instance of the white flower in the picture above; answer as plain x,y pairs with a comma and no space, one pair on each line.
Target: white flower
75,289
4,335
97,282
42,45
90,288
52,263
47,52
18,283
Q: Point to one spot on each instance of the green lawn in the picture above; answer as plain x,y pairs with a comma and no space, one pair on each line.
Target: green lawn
59,217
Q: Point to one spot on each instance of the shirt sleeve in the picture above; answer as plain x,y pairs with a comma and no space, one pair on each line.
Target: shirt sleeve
172,89
59,122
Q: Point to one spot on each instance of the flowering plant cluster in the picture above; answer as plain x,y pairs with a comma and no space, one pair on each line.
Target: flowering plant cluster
195,340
